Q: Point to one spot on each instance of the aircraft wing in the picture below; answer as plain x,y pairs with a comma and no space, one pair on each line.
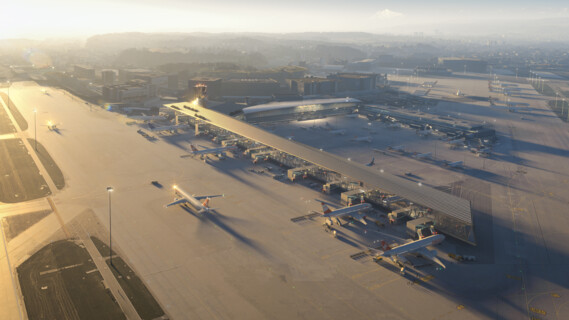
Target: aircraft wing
177,202
360,217
206,197
431,255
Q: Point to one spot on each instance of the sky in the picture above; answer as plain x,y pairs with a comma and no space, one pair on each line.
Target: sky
39,19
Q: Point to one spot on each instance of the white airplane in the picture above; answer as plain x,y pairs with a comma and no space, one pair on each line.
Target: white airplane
424,133
427,155
456,164
154,128
457,142
353,212
52,126
219,152
339,132
394,125
372,162
400,148
415,247
362,139
193,200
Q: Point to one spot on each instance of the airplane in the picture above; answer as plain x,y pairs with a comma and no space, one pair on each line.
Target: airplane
362,139
219,152
52,126
394,125
185,198
154,128
397,148
417,247
339,132
372,162
457,142
353,212
456,164
423,133
427,155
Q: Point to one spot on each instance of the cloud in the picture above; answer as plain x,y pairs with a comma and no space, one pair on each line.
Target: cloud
387,14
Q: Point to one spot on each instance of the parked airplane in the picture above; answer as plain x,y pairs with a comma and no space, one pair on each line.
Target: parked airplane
193,200
154,128
394,125
372,162
219,152
456,164
427,155
400,148
457,142
423,133
339,132
362,139
415,247
353,212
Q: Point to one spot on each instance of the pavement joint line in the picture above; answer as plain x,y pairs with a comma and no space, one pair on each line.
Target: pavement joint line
54,208
379,285
364,273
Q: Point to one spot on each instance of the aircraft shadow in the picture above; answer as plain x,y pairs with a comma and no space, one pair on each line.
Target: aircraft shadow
215,218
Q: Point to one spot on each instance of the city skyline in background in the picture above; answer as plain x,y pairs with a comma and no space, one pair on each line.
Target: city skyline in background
35,19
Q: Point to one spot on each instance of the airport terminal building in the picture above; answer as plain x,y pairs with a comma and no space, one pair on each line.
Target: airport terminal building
299,110
452,215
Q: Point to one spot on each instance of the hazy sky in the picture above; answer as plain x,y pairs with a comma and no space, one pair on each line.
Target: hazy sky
40,18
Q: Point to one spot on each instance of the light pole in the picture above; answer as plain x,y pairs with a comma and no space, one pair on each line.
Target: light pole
109,190
35,130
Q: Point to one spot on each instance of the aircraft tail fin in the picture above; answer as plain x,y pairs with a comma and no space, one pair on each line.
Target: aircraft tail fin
205,203
385,246
325,208
193,147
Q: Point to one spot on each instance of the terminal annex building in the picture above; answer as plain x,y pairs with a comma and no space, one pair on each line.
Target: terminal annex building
299,110
452,215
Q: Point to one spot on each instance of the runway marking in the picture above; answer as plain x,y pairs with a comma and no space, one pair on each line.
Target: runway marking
555,295
426,278
59,269
379,285
364,273
538,311
52,205
509,276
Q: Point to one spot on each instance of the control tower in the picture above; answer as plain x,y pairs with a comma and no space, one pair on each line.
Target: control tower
200,93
